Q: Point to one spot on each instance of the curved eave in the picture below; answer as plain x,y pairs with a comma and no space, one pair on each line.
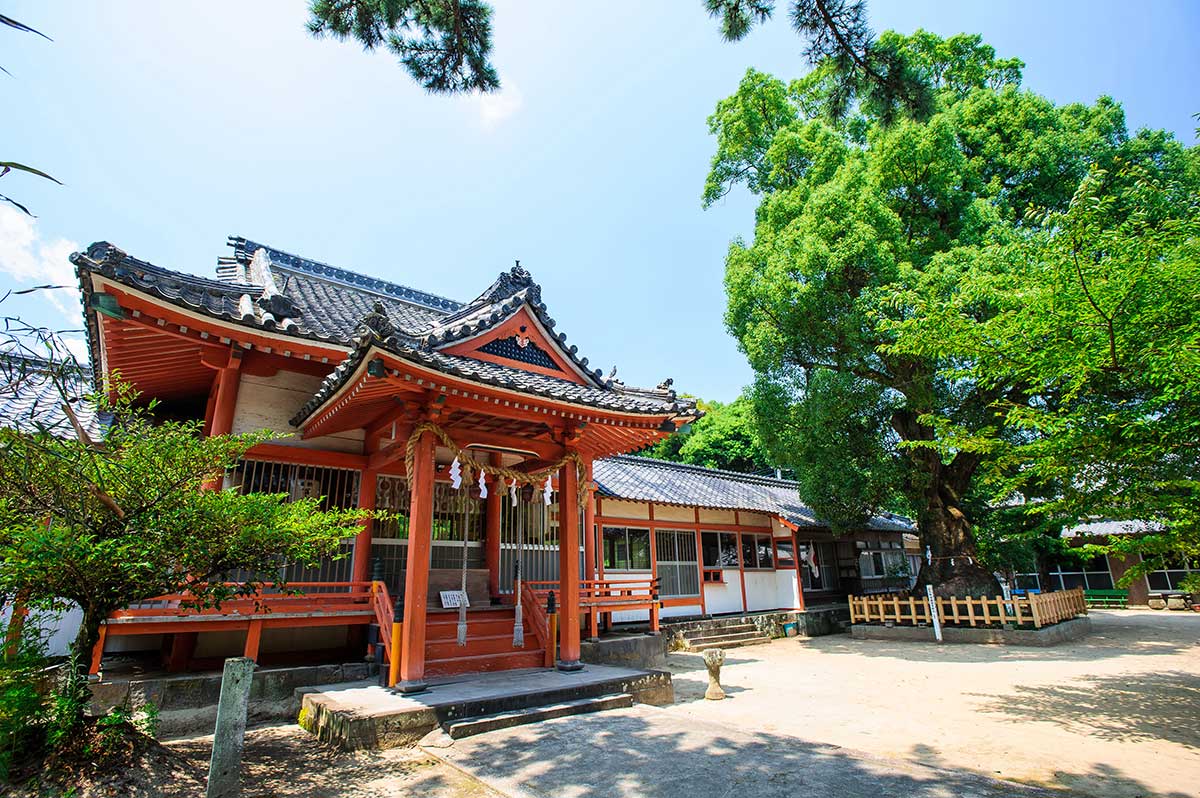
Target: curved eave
416,376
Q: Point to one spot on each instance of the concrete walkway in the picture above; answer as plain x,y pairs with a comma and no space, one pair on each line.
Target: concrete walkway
645,752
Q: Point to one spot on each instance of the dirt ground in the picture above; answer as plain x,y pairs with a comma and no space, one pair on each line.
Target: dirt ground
1114,716
285,761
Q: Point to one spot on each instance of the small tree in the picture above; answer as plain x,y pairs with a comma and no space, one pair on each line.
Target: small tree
106,524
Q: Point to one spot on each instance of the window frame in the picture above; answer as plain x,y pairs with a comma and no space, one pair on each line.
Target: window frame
628,548
757,547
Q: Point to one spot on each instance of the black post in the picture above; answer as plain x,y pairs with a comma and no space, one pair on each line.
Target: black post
377,570
550,605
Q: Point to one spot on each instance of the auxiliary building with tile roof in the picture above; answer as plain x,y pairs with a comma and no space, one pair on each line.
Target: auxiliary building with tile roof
351,369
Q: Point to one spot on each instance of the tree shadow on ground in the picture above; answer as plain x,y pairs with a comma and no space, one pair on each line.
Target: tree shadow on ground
645,753
1098,777
285,761
1153,706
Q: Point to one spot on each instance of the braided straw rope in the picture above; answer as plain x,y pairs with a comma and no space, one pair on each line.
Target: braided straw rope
534,478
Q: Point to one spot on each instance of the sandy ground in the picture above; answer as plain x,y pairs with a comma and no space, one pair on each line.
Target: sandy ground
285,761
1114,715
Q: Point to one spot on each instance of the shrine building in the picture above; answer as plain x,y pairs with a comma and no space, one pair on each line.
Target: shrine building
501,456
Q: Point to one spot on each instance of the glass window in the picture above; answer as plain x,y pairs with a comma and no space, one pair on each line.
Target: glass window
676,553
710,543
616,549
729,552
749,552
639,549
786,554
757,552
626,549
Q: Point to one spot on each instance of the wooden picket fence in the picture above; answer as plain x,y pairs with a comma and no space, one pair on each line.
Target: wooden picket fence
1036,609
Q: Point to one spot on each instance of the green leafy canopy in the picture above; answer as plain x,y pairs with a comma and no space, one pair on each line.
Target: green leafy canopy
899,252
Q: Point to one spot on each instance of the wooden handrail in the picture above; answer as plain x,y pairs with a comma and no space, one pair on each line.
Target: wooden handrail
384,616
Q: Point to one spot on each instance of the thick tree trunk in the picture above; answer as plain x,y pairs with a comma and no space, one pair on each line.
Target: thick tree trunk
955,569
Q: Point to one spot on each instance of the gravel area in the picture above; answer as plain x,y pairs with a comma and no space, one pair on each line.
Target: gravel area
286,761
1115,715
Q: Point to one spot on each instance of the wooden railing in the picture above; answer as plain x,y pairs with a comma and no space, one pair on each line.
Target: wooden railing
311,604
597,596
535,612
384,616
1037,610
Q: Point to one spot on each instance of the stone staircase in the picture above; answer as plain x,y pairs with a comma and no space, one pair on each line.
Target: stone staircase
467,727
726,634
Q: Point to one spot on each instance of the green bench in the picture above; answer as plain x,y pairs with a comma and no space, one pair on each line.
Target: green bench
1106,598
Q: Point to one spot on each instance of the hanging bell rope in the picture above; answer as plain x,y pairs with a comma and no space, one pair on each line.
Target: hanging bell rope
519,620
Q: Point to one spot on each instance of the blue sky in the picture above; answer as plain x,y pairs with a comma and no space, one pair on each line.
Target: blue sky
176,124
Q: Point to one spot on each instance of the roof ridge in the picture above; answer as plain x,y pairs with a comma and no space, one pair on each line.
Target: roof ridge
655,461
245,248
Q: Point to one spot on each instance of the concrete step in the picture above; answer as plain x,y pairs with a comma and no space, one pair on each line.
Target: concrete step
505,720
482,663
723,628
723,636
477,643
740,643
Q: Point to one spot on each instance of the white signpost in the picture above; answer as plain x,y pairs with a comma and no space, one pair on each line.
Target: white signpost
933,613
1008,605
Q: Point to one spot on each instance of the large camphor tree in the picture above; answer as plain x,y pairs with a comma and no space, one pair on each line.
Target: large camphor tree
870,233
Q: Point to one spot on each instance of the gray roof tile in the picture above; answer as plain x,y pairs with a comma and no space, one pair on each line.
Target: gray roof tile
648,479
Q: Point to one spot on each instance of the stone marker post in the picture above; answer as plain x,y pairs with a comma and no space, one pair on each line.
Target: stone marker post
714,658
224,770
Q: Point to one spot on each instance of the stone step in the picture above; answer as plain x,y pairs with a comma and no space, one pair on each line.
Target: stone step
723,635
740,626
519,717
741,643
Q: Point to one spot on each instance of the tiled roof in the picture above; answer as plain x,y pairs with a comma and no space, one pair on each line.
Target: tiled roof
652,403
32,399
333,301
268,288
647,479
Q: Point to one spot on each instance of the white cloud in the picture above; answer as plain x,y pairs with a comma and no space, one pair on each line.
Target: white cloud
497,106
30,260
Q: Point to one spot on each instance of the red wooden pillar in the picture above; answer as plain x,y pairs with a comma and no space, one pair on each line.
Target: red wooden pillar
220,422
589,530
492,533
416,583
568,568
799,566
228,379
362,541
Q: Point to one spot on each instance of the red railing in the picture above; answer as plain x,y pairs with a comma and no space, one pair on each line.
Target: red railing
610,595
310,597
312,604
385,616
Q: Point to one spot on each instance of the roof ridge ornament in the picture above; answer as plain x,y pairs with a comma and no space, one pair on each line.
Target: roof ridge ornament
376,324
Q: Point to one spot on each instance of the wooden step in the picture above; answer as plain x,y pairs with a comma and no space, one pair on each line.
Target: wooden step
477,644
476,627
519,717
481,663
